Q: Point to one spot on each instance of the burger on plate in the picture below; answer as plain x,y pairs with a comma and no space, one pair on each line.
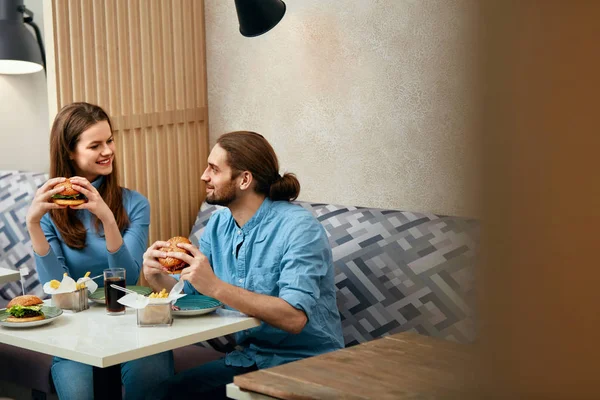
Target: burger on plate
25,308
174,265
69,196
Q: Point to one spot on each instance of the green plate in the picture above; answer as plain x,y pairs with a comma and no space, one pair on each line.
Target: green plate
98,295
196,305
51,313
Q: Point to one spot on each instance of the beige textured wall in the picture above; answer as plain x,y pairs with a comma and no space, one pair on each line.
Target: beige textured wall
368,102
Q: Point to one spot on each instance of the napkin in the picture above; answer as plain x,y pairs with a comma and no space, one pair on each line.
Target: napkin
68,285
137,301
89,283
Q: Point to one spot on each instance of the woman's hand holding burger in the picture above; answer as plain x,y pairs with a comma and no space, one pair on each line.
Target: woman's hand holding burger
95,203
41,203
58,193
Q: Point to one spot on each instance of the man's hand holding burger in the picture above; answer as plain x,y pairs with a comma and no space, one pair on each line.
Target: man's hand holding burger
199,273
178,255
154,272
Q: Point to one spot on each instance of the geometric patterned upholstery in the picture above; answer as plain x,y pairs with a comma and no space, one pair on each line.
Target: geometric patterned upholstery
401,271
16,193
395,271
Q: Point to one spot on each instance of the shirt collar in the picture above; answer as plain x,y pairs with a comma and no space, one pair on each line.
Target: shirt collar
98,181
258,216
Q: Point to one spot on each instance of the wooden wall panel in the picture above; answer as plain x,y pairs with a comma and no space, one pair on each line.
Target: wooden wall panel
144,63
538,276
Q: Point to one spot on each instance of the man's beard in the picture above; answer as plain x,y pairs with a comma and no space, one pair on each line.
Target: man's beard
224,197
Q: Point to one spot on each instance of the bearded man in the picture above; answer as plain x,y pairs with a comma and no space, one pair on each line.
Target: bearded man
261,255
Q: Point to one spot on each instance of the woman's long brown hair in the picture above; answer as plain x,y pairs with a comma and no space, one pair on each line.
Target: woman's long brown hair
69,124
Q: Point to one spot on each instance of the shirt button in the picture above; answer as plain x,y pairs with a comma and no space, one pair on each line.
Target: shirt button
240,280
239,232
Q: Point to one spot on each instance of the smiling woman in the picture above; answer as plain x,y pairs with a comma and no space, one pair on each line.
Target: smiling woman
82,148
109,230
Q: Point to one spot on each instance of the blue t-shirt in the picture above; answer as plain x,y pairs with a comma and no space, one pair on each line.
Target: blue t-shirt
94,256
282,251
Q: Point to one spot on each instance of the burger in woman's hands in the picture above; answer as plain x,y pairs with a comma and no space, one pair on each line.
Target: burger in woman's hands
69,196
25,308
174,265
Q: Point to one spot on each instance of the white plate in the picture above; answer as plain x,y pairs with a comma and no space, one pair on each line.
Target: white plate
51,314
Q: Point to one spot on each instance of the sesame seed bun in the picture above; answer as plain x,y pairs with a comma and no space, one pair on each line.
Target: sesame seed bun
68,188
26,300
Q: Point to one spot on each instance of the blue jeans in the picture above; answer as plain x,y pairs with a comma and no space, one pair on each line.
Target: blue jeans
75,380
206,382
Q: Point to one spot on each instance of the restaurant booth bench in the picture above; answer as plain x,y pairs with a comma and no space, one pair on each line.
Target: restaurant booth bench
395,271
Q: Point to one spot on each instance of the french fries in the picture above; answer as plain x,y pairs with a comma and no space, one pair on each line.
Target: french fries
160,295
54,284
81,285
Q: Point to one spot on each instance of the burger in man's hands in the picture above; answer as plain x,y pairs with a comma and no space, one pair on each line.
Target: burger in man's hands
25,308
174,265
69,196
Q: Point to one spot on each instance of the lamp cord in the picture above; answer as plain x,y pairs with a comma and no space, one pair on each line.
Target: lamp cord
28,19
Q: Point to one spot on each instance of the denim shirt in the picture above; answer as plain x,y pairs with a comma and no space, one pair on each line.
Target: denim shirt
282,251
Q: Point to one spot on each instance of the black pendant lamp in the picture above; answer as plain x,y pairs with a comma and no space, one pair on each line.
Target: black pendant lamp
19,52
258,16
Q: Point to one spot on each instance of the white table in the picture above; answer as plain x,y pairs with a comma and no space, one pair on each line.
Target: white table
9,275
92,337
